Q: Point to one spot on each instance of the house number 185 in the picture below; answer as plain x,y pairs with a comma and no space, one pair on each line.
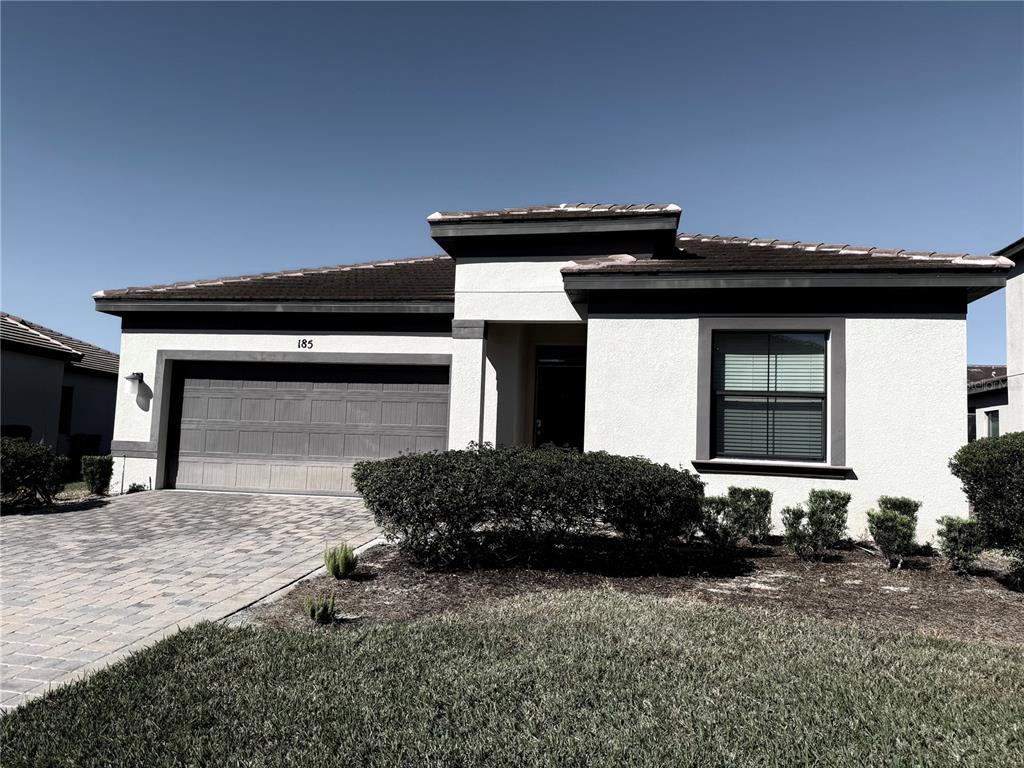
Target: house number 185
305,343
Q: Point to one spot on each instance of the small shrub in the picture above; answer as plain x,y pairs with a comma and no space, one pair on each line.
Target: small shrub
30,472
646,502
992,473
718,523
960,541
320,610
752,512
821,526
893,533
96,472
900,505
341,561
136,488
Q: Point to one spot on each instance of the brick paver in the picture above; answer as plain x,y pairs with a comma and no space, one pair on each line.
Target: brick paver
81,588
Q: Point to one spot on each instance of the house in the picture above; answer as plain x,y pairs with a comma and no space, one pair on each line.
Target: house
1013,417
987,394
56,389
752,361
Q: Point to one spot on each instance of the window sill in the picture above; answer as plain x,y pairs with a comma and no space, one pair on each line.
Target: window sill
775,468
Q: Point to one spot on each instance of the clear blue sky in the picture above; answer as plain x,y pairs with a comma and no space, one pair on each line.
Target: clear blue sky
146,143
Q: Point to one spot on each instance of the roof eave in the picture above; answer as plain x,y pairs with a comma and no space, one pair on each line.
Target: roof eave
129,304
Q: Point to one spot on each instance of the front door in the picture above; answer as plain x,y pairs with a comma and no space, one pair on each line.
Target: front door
559,396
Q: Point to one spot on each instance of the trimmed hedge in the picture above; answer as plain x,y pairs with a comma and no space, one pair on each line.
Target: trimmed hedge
961,543
96,472
821,526
992,473
893,533
29,472
446,508
744,514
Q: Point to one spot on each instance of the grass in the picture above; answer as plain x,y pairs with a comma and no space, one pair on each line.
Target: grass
564,678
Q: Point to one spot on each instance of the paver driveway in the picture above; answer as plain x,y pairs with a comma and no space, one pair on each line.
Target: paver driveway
81,588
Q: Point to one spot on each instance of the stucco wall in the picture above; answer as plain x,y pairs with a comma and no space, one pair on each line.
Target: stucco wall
30,388
510,290
1014,417
904,408
92,410
134,416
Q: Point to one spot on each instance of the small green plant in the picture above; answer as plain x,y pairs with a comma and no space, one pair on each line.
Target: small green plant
96,472
821,526
136,488
341,561
320,609
899,504
893,533
961,542
718,524
751,512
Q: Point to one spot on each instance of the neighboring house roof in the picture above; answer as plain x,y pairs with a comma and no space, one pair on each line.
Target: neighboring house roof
718,253
557,211
985,377
80,354
421,279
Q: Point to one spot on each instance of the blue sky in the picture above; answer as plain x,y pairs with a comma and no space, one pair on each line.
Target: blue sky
146,143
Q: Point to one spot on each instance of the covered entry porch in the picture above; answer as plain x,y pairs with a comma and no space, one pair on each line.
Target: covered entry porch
517,383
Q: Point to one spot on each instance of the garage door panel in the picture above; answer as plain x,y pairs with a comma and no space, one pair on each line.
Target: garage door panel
300,428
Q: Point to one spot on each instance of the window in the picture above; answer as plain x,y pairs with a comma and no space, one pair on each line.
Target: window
769,395
993,423
67,399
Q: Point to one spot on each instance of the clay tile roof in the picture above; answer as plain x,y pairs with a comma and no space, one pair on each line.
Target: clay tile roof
421,279
978,376
81,354
716,253
556,211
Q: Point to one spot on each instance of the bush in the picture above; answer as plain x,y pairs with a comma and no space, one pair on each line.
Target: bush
30,472
446,508
960,541
136,488
320,610
341,561
900,505
893,533
718,524
96,472
643,501
820,527
752,512
992,473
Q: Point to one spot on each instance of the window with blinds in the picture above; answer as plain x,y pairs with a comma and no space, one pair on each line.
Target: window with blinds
769,395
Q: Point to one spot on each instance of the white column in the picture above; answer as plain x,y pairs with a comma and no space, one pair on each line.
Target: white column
466,401
1015,349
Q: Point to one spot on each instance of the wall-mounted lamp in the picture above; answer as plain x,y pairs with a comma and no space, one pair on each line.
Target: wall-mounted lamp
132,382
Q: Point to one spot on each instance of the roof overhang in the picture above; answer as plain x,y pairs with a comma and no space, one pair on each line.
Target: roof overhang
987,385
123,306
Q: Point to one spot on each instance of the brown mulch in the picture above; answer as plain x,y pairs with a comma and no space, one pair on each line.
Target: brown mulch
853,587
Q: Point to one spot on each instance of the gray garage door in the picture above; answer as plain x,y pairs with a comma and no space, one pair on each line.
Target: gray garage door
299,428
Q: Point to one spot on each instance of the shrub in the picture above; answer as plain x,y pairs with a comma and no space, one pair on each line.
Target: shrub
320,610
445,508
960,541
752,512
96,472
643,501
820,527
136,488
718,524
893,533
900,505
30,472
340,561
992,473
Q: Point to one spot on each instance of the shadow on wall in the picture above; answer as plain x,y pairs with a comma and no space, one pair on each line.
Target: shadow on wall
144,396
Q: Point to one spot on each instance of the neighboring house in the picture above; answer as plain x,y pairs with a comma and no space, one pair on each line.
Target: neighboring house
752,361
1013,419
986,400
55,388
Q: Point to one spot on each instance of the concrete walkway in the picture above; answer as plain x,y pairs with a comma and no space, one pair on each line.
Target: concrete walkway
81,587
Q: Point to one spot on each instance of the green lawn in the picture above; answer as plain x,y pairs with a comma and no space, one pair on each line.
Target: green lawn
583,679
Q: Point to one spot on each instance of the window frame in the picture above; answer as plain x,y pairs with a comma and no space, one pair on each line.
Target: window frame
716,394
992,420
834,465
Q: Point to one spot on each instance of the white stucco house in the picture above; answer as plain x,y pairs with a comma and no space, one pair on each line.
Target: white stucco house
1013,415
781,364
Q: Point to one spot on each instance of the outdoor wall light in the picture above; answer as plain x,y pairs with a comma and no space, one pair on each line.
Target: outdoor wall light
132,382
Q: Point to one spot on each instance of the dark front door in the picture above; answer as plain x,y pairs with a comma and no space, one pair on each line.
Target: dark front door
559,397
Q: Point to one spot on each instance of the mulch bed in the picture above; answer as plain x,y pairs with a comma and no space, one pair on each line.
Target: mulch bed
853,587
